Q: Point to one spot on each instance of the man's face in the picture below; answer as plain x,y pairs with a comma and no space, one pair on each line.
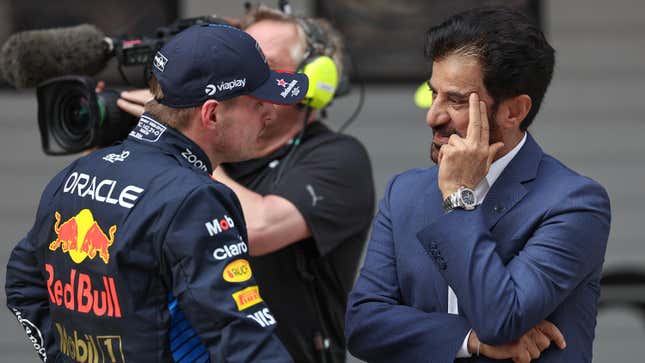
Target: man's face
453,79
242,122
278,40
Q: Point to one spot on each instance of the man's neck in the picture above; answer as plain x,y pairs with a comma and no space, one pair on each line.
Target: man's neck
510,142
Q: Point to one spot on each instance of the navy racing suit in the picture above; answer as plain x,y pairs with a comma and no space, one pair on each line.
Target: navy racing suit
129,238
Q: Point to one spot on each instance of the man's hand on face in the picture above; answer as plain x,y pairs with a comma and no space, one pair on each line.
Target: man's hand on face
465,161
529,346
133,101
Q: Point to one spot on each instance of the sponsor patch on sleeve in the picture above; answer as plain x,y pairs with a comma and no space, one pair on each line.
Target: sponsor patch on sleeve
33,334
237,271
246,298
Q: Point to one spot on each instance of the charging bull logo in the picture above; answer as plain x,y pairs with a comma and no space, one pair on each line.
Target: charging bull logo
81,237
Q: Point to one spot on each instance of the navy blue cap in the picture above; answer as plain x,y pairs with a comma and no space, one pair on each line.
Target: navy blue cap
215,61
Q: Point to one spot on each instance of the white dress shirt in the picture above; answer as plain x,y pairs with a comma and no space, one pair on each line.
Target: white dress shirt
496,169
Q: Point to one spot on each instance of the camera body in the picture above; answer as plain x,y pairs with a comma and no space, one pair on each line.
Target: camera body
73,117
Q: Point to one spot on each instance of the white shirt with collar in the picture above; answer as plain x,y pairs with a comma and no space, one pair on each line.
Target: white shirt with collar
496,169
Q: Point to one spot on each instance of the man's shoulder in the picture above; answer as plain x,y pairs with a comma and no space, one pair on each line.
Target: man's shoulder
552,169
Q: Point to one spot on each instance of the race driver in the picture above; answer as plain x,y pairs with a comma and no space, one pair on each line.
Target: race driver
134,243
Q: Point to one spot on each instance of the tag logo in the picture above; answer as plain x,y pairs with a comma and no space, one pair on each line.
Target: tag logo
247,297
160,61
148,130
116,157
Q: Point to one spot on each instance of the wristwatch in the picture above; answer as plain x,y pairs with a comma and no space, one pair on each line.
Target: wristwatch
463,198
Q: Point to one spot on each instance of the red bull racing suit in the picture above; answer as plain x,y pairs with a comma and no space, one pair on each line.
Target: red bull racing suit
137,255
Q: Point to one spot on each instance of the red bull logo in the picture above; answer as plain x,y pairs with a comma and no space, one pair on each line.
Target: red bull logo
81,237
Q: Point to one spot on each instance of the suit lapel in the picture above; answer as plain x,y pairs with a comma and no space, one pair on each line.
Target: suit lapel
432,207
509,188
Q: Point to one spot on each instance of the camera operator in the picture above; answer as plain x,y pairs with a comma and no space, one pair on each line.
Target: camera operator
307,196
127,238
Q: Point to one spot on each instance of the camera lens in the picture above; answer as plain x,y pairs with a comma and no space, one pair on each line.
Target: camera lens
72,121
72,117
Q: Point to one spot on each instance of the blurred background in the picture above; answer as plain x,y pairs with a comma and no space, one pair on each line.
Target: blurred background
591,119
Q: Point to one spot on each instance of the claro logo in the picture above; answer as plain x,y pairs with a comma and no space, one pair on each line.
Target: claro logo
230,250
79,295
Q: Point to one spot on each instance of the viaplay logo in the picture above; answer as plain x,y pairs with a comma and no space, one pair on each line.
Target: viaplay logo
81,237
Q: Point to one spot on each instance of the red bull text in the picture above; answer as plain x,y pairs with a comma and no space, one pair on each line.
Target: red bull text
81,296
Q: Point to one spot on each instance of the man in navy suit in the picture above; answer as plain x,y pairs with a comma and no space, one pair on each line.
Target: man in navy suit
496,252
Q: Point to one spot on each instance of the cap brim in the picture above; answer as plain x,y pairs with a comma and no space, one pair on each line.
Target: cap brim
283,88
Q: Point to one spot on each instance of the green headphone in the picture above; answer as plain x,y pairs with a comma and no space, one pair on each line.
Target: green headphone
423,96
318,65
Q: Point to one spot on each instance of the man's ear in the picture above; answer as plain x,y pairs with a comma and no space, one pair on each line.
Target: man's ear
209,114
514,110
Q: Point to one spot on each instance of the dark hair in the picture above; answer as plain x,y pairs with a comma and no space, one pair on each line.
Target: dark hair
512,51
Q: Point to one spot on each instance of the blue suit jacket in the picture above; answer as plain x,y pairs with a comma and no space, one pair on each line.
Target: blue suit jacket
532,251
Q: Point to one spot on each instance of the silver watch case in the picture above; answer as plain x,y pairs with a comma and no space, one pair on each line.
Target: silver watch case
463,198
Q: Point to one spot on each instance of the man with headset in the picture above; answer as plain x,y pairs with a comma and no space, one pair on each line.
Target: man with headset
307,196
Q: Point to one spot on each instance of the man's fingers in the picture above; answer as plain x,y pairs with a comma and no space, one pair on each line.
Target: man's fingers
522,357
100,86
445,148
541,340
455,140
485,123
474,121
553,333
531,347
140,96
129,107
